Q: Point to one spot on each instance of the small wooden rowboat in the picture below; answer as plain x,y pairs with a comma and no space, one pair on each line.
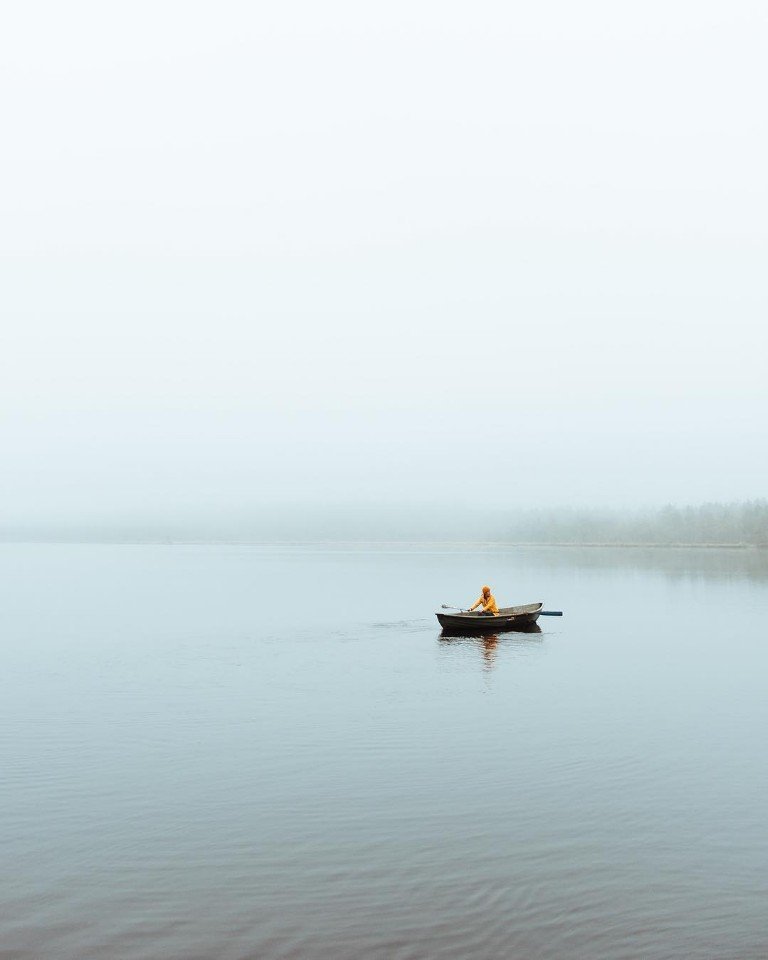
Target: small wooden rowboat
508,618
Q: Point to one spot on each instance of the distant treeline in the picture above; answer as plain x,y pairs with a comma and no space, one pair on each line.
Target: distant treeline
710,523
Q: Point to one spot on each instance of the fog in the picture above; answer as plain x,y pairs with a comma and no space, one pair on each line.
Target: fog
418,259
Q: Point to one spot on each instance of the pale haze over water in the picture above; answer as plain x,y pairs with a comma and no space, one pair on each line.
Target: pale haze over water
296,254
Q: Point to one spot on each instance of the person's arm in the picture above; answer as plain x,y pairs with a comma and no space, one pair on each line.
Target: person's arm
476,604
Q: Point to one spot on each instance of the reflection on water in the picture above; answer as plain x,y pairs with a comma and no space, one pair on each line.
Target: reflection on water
677,563
192,771
488,644
489,650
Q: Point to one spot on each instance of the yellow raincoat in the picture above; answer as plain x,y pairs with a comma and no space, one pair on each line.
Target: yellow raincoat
488,602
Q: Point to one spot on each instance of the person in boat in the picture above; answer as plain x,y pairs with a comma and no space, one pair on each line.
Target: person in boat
487,601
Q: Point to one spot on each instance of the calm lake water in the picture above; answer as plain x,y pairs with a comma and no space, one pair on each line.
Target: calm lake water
231,752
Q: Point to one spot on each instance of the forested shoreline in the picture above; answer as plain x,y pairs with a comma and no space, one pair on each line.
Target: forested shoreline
711,524
716,524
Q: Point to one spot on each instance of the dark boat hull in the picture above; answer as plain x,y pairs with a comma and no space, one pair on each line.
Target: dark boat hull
508,618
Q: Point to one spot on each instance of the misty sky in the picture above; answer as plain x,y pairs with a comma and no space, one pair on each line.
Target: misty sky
317,252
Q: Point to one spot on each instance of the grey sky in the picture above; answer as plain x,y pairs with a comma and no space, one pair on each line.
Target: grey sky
296,252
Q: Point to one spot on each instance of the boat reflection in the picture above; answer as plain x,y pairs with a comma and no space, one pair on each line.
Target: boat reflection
490,644
459,634
486,643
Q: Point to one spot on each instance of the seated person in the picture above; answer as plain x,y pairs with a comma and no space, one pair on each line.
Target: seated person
487,601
